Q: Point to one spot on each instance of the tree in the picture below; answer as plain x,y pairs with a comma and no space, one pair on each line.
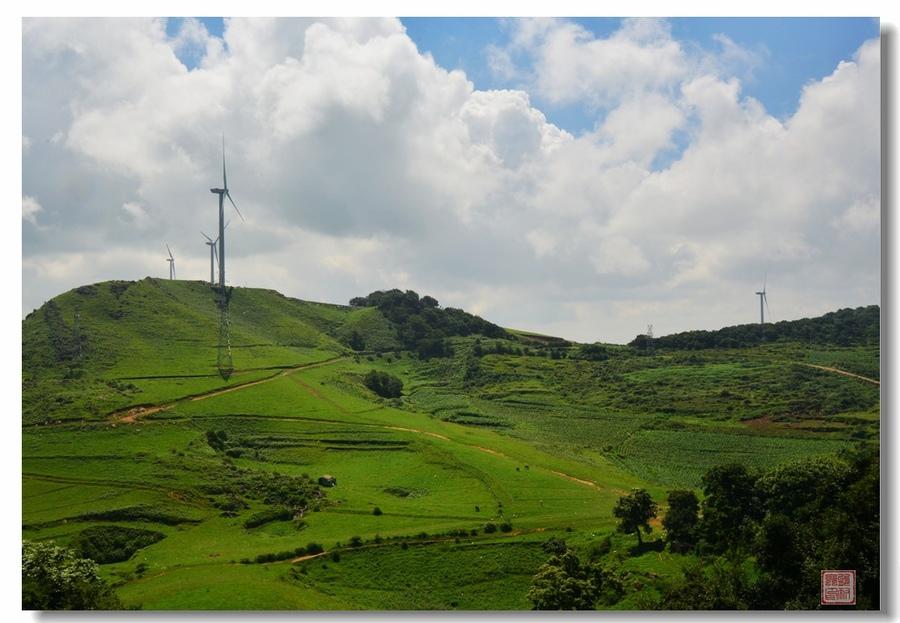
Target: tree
356,341
681,520
592,352
563,583
724,585
55,578
779,559
384,384
635,511
731,505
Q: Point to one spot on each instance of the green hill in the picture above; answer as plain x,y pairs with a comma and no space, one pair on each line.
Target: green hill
138,452
845,327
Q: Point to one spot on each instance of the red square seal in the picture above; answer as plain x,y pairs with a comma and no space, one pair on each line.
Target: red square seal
838,588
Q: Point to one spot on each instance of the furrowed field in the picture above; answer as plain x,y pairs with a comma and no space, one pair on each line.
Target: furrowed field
202,493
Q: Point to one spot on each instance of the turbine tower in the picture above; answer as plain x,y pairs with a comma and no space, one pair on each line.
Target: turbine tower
223,358
171,261
223,192
763,300
212,256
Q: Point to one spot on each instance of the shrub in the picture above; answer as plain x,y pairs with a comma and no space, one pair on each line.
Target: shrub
314,548
268,516
113,543
490,528
376,511
54,578
384,384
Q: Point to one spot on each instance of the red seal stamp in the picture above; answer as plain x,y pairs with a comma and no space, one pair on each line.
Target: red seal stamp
838,588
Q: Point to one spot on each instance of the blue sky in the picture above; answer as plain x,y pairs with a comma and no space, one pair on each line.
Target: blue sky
791,51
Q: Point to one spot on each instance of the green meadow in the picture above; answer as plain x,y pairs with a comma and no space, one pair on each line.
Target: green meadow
443,495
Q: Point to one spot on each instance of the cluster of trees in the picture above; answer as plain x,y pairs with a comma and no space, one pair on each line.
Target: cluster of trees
105,544
384,384
286,495
56,578
592,352
760,540
564,582
422,325
845,327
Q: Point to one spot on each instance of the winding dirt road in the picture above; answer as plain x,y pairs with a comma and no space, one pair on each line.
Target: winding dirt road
844,372
132,414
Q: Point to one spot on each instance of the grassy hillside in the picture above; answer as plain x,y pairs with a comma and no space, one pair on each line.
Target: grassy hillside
444,495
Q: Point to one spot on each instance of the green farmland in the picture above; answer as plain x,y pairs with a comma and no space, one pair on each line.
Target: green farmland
444,495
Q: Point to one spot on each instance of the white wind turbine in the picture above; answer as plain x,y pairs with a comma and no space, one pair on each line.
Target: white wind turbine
171,261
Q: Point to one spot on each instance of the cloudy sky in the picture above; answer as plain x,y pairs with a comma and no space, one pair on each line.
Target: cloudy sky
583,178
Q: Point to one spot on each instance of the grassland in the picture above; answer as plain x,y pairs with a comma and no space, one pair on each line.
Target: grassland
541,446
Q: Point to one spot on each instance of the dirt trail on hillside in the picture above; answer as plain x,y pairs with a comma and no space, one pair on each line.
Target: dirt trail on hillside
844,372
132,414
416,430
307,557
588,483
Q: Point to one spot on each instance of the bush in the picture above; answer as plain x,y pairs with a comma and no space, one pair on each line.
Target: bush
355,541
506,527
489,528
384,384
106,544
376,511
54,578
268,516
314,548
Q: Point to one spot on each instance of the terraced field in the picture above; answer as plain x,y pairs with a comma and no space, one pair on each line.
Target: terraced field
443,495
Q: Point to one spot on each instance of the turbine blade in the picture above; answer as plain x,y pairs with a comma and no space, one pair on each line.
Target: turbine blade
228,194
207,237
766,299
765,277
169,250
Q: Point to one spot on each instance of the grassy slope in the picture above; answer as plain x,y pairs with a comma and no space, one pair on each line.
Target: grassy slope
545,444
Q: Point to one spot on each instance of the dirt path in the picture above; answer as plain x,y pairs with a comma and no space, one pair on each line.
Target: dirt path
132,414
416,430
307,557
844,372
589,483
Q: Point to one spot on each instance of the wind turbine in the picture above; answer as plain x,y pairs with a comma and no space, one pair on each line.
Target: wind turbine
212,255
223,192
763,300
171,261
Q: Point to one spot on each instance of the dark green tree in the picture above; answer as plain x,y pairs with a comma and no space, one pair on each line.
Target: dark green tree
384,384
563,583
731,504
680,521
780,559
56,578
722,585
634,512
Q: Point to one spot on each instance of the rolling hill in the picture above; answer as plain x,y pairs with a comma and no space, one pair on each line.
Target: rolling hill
136,450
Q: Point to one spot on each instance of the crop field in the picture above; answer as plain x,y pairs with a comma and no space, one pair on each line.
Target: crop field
444,494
